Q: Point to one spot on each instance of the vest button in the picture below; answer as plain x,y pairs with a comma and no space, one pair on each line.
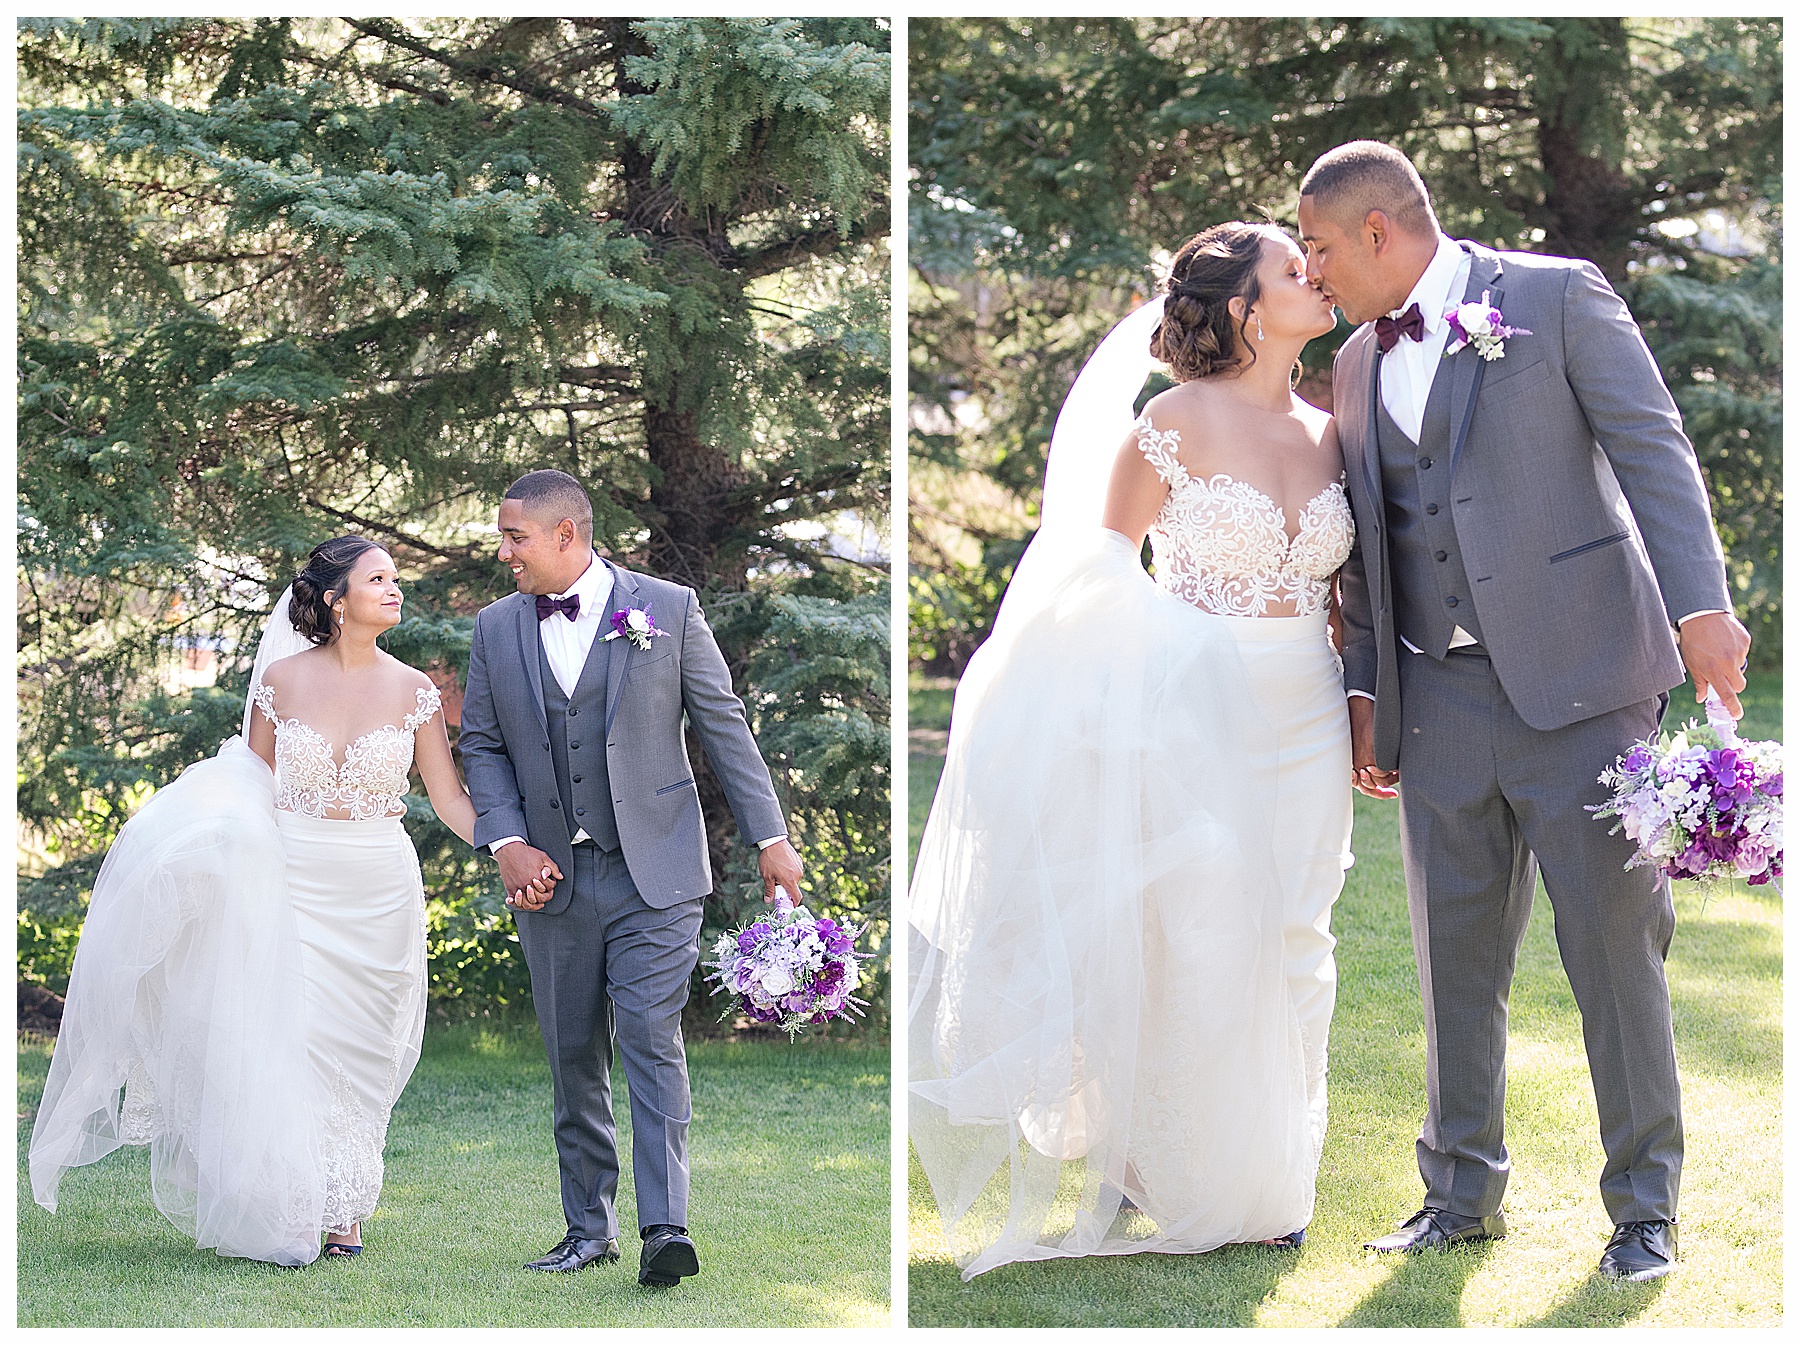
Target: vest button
574,747
1425,464
577,779
1443,555
581,812
1430,509
573,711
556,804
1450,601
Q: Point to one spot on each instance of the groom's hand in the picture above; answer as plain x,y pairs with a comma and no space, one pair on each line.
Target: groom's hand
528,875
1365,775
780,868
1715,648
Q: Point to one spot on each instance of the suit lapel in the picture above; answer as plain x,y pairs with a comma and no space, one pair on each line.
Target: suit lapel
528,652
1467,366
1362,447
624,595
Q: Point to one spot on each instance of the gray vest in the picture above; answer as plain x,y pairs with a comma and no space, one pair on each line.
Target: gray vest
578,746
1431,588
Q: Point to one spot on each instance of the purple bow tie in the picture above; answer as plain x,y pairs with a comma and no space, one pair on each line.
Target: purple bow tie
548,606
1388,331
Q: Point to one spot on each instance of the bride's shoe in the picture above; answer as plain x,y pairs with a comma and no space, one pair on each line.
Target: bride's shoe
1287,1241
346,1248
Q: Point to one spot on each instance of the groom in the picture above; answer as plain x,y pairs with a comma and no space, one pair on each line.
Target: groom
572,744
1536,560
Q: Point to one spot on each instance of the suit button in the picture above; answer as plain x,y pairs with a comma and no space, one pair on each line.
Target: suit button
581,812
574,747
1443,555
1425,464
556,804
1450,602
1430,509
573,712
577,779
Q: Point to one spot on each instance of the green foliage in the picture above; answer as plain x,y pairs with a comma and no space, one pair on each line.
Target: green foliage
1057,159
281,279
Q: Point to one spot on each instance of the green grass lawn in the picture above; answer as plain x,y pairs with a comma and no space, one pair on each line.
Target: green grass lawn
790,1210
1725,976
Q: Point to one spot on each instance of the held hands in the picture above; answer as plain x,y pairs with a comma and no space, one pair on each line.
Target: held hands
528,874
780,868
1365,775
1715,648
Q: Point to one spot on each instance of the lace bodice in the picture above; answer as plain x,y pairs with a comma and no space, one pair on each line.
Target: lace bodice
1222,545
372,781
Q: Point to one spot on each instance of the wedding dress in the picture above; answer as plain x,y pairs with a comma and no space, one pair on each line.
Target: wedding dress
1120,951
248,994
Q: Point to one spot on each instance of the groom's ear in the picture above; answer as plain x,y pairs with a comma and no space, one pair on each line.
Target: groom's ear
1378,228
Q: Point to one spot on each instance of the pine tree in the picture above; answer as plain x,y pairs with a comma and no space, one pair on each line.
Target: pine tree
286,278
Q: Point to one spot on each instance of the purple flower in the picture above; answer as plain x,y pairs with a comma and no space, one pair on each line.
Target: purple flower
746,941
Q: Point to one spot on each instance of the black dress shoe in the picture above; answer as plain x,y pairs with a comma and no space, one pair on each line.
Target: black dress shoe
668,1255
574,1252
1640,1251
1439,1228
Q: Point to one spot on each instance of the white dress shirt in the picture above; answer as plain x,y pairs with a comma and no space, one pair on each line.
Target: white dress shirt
1409,368
567,645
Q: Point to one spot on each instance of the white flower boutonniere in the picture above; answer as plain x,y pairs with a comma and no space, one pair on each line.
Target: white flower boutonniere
1481,326
634,624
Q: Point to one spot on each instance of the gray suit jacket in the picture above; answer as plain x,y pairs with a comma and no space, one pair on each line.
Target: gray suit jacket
1577,500
504,741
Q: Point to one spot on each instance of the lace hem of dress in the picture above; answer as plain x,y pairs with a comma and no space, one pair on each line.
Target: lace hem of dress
351,1157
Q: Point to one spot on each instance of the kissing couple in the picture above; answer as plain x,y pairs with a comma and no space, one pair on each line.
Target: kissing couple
248,993
1470,587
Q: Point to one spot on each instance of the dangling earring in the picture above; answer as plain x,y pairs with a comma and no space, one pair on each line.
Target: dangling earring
1259,330
340,616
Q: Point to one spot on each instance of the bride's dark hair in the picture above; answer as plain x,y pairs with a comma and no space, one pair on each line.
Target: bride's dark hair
325,571
1198,334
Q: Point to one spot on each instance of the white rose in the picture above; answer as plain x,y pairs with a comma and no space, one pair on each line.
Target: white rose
1473,319
637,621
777,981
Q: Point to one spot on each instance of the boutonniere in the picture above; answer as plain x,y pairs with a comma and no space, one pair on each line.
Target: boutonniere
1481,326
634,624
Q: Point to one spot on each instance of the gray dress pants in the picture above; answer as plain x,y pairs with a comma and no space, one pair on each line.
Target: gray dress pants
1486,801
606,967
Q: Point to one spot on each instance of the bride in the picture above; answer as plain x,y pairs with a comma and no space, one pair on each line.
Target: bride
251,972
1122,973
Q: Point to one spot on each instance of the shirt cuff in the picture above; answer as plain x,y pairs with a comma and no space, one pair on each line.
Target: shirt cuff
773,840
494,846
1365,695
1705,611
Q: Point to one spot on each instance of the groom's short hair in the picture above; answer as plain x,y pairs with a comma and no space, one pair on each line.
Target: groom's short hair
550,492
1353,179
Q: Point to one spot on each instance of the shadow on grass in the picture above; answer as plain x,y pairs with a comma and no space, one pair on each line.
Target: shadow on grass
1425,1289
1598,1301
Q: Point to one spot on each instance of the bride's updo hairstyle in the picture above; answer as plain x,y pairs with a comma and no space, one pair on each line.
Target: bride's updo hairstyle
327,568
1198,335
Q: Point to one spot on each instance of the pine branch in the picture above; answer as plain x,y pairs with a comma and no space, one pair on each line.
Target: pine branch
814,243
479,72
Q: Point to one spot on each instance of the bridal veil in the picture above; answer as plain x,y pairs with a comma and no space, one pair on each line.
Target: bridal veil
1104,1058
184,1026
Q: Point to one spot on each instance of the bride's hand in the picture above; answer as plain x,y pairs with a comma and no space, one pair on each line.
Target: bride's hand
1365,775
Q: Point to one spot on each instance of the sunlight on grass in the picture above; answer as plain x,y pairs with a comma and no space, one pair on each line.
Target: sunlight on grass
789,1152
1725,975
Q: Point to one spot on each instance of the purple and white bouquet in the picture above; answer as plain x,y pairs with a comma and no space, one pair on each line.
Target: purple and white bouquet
790,969
1701,803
